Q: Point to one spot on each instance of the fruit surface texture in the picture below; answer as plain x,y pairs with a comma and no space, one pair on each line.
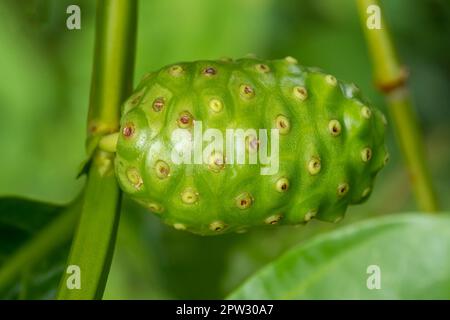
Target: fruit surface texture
330,145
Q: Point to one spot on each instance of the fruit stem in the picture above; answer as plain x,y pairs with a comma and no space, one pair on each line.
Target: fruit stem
94,240
390,78
108,143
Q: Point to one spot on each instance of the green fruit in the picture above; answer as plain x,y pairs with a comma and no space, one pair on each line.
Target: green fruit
331,145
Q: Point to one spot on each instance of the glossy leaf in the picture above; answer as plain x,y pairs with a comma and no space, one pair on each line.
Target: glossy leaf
33,247
412,253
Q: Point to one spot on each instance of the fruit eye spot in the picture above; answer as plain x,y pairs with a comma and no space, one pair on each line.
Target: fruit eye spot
254,143
179,226
273,219
300,93
247,91
216,161
209,71
147,76
189,196
244,200
158,104
226,59
136,98
337,219
184,120
342,189
309,215
215,105
251,143
331,80
334,127
162,169
128,130
263,68
282,124
282,185
176,70
366,154
366,192
291,60
217,226
365,112
386,158
134,177
154,207
314,165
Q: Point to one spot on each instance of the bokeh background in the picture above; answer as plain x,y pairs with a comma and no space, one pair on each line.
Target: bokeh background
44,92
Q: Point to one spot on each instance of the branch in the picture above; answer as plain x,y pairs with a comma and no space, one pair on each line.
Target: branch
94,240
390,78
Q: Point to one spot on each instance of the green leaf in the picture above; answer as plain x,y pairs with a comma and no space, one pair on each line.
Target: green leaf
412,252
34,244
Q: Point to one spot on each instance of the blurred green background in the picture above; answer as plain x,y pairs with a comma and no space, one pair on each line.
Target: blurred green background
44,93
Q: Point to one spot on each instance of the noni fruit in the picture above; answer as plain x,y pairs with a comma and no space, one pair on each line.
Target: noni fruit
220,146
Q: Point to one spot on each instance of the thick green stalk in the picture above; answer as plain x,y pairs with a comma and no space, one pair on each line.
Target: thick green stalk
390,77
94,240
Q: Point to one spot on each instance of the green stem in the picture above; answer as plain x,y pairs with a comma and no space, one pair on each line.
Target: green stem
390,77
94,239
109,142
57,233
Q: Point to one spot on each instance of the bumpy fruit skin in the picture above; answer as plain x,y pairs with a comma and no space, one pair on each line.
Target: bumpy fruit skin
331,144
